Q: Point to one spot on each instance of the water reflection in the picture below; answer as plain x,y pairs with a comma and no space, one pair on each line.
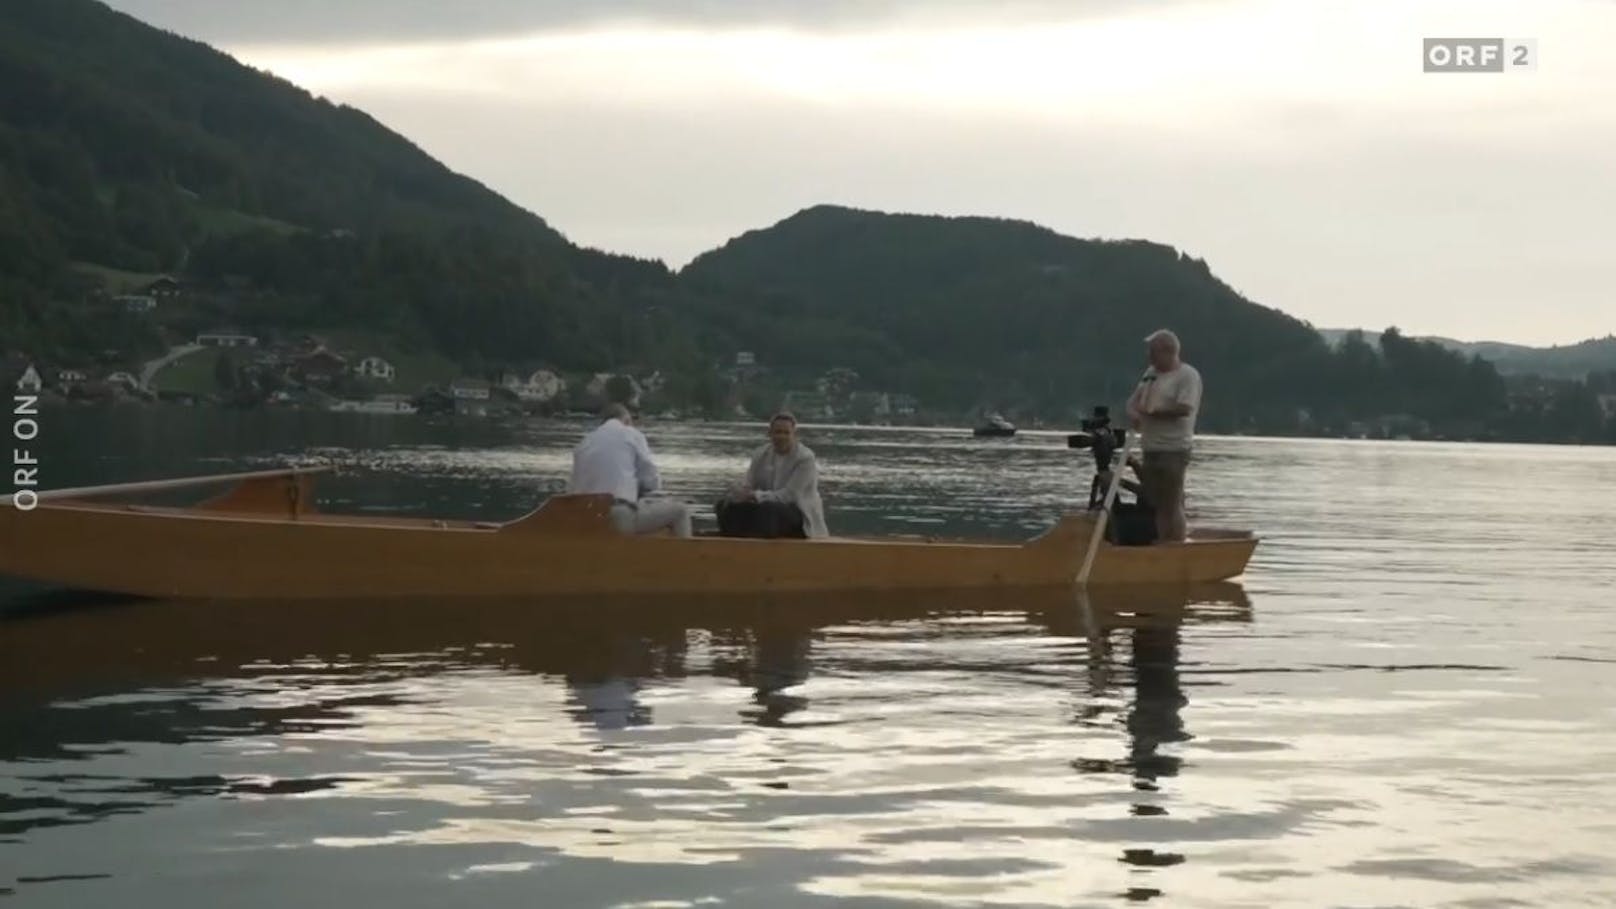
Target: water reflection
769,656
1149,653
119,679
1148,632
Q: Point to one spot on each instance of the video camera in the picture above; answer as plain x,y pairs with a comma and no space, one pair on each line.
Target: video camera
1104,440
1099,436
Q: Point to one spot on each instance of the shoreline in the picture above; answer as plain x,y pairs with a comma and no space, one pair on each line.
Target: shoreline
963,426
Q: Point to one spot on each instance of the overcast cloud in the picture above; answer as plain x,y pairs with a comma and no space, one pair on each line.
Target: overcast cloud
346,21
1295,145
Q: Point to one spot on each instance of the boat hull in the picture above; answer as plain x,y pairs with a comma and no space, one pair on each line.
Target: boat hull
251,544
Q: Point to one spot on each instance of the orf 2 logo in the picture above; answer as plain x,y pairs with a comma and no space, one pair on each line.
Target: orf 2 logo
1479,55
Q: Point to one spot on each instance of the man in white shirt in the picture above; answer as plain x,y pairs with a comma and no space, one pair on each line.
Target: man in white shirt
1163,409
614,459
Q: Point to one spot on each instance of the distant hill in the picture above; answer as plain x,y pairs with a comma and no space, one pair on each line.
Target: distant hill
1572,361
1005,312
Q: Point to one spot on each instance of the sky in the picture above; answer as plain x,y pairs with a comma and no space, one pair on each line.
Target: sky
1296,145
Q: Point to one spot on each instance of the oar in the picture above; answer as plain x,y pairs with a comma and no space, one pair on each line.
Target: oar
1105,515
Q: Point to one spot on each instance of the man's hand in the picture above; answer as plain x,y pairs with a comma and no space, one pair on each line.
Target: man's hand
1170,412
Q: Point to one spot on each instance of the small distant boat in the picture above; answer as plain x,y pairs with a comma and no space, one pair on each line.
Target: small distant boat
995,427
264,538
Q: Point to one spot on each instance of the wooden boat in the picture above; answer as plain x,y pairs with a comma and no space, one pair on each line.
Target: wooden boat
264,538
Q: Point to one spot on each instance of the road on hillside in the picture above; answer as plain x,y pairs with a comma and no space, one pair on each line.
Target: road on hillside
148,371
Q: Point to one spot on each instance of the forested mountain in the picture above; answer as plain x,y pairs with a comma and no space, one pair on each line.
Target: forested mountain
1011,315
1004,311
129,148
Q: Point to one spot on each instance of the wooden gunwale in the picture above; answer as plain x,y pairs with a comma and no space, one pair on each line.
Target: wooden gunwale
247,541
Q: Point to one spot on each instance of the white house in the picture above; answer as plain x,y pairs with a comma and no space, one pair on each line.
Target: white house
136,302
745,358
71,376
125,379
226,338
28,383
470,390
375,368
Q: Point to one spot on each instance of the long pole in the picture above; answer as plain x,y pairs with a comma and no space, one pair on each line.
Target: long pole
1105,515
117,489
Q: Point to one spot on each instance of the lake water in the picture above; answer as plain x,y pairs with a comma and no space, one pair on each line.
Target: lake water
1406,702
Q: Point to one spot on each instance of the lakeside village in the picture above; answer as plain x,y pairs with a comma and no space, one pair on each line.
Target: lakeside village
356,373
310,372
351,372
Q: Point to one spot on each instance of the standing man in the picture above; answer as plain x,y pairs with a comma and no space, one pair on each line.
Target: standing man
614,459
1163,410
780,495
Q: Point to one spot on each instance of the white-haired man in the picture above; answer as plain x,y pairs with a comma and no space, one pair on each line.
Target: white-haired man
1163,410
615,459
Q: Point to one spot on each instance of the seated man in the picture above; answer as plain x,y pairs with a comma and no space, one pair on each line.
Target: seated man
780,495
614,459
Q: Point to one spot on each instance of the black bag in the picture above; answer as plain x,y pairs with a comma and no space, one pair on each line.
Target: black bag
1131,524
766,520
